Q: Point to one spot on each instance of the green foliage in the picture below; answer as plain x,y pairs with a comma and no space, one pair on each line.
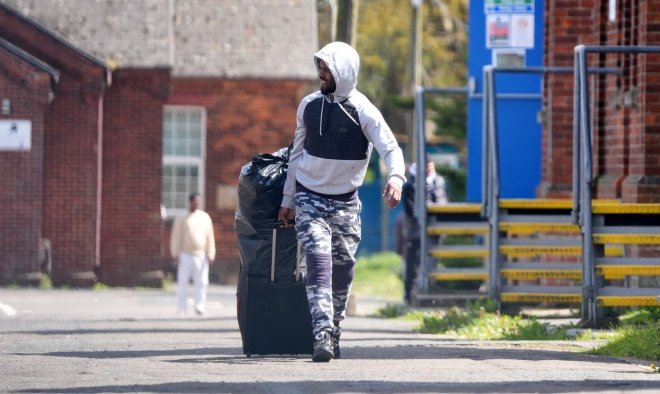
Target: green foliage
384,49
379,275
449,113
100,286
45,282
641,316
589,335
444,42
456,180
399,311
391,311
633,341
324,15
436,323
480,321
168,281
487,304
384,30
653,312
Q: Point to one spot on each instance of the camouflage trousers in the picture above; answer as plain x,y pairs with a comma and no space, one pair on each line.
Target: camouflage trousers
329,232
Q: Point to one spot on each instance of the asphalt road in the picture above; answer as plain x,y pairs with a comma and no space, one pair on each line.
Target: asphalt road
115,341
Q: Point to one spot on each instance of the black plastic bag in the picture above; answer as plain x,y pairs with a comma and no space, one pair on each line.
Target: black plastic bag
260,190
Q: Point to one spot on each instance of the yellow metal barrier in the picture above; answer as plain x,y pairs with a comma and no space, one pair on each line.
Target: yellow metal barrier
535,250
628,301
532,228
622,208
456,253
447,276
620,271
548,203
541,297
530,274
458,230
454,208
628,239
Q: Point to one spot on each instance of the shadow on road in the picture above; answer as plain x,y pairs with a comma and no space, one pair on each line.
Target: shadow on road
323,387
474,352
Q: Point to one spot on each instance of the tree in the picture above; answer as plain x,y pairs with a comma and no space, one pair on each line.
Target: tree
383,41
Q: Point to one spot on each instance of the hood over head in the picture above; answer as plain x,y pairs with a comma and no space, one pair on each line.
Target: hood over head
344,63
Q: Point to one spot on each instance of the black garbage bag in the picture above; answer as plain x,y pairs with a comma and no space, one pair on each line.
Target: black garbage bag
260,189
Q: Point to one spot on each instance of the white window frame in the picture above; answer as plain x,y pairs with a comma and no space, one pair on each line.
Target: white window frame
200,160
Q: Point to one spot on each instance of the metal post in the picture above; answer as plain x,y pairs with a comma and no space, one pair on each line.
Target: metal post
420,191
590,312
494,189
588,290
575,213
485,168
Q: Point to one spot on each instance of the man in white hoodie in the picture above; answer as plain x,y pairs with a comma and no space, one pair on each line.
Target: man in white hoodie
337,128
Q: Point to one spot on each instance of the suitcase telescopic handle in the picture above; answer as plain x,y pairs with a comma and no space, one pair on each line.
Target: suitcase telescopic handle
273,255
298,261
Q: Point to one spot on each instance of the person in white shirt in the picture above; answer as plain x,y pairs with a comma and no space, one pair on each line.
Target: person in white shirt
193,246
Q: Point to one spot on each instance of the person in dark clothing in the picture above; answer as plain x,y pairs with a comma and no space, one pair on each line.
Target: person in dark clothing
410,237
435,194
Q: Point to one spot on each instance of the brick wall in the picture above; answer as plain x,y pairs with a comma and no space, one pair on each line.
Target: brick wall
71,182
244,117
21,172
642,183
71,163
131,224
567,23
625,118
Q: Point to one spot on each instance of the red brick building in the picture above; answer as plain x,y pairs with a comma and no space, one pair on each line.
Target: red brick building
625,108
117,144
27,86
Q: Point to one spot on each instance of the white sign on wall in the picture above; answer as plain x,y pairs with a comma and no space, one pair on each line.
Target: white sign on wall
15,134
522,30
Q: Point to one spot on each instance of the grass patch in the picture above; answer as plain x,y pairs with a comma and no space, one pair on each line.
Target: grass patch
480,321
399,311
379,275
101,286
633,341
168,282
45,282
641,316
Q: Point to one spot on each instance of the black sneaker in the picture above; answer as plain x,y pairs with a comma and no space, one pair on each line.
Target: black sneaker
322,347
336,333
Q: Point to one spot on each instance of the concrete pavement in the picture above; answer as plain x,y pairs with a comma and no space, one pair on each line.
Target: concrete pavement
120,340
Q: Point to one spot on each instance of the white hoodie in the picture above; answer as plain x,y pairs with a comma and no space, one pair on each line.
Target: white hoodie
339,176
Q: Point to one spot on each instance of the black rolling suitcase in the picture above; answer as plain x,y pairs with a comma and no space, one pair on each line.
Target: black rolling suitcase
273,313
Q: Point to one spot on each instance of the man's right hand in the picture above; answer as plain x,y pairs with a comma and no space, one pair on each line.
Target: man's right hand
286,216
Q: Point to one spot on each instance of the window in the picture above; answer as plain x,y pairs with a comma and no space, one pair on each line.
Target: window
184,132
